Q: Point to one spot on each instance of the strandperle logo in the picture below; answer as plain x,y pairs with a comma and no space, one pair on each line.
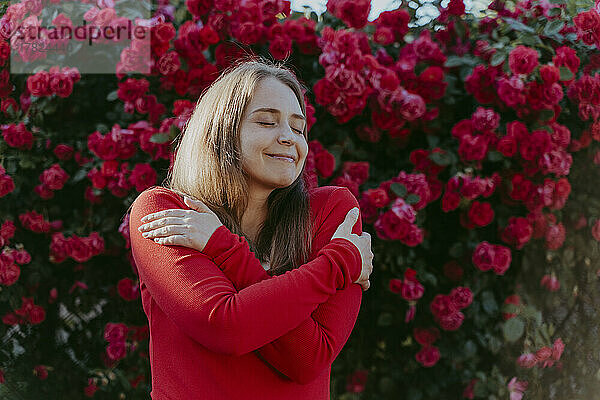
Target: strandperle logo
101,38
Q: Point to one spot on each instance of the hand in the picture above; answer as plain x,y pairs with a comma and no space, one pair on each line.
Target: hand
362,243
190,228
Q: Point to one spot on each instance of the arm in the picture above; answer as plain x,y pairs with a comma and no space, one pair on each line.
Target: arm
196,295
305,352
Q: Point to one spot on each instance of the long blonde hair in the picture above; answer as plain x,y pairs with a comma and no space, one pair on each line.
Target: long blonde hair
208,166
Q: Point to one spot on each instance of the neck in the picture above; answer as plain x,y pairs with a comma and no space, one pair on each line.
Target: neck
255,213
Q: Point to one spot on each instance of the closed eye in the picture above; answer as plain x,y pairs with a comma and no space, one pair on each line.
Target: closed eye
272,123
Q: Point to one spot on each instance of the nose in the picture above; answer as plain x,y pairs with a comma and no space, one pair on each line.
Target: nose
286,135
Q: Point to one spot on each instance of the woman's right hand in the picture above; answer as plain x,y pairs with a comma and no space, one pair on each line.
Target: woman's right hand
362,243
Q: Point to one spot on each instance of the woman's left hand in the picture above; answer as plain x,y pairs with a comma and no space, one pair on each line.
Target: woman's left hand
178,227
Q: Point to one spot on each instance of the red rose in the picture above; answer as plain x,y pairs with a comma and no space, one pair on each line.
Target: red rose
17,136
128,289
79,250
34,222
61,85
450,201
390,227
37,315
359,171
377,197
64,152
10,319
507,145
395,285
451,322
280,47
357,381
426,337
461,297
54,178
132,89
411,288
453,271
168,63
483,256
481,214
142,176
38,84
511,91
116,351
9,274
115,332
512,299
522,60
428,356
517,232
502,259
59,248
354,13
325,163
442,306
7,185
40,371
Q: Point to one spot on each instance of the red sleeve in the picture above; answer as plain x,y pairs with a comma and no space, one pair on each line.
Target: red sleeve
202,302
305,352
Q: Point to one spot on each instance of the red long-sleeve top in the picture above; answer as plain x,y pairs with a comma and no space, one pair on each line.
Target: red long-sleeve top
221,328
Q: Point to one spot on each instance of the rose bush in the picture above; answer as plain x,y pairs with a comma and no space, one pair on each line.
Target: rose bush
469,142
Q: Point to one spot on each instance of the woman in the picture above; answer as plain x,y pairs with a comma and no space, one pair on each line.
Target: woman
221,327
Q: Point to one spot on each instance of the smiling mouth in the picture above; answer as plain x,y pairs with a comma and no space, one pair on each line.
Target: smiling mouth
286,159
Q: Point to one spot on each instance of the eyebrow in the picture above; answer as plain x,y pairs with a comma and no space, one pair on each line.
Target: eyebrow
276,111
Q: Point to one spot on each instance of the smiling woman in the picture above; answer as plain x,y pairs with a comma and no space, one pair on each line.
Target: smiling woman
233,330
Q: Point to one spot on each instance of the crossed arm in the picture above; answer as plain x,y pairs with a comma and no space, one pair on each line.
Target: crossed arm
296,322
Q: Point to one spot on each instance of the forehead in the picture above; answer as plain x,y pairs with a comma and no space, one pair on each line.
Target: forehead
272,93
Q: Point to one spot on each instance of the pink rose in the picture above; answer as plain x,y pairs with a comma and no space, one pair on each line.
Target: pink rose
527,360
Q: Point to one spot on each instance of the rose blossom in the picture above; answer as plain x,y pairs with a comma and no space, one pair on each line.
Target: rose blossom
527,360
428,356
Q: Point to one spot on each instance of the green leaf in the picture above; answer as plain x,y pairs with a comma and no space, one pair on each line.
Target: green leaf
494,344
413,199
488,302
498,58
112,96
26,163
495,156
546,115
553,27
159,138
456,250
513,329
565,73
519,26
385,319
441,159
470,349
453,61
79,175
399,189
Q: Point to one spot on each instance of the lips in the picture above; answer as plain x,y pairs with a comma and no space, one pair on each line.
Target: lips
283,157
